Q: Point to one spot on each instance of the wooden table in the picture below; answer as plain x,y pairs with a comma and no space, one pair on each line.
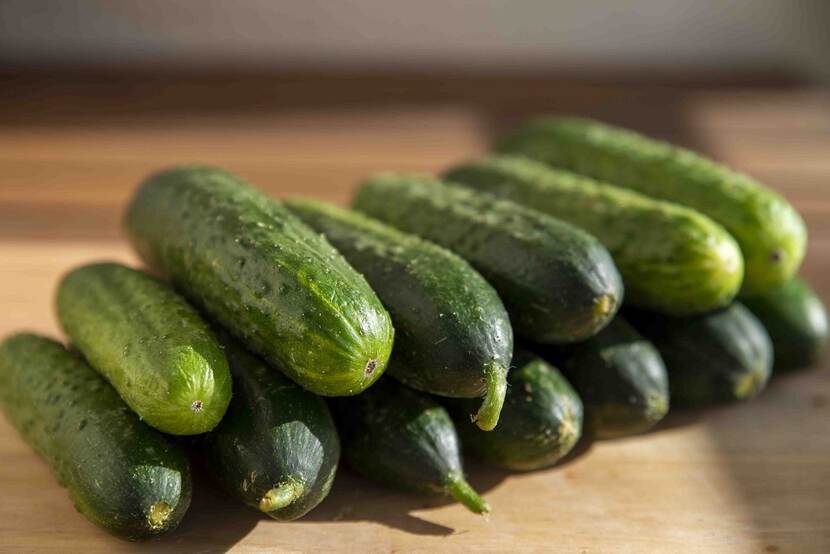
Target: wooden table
749,478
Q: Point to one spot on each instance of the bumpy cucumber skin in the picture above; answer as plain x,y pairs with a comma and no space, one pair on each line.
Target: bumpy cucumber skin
451,328
401,438
121,474
275,436
771,234
796,320
541,419
672,259
558,283
620,378
150,345
282,289
724,356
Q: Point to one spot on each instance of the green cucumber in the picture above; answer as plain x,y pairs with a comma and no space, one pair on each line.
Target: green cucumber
121,474
281,288
724,356
672,259
277,448
620,378
769,231
404,439
796,321
149,344
558,283
453,335
541,419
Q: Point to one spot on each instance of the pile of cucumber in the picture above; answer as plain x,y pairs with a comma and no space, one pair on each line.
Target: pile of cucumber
269,336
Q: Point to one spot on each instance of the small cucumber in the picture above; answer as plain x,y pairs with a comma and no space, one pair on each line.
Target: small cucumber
796,321
122,475
769,231
149,344
558,283
672,259
724,356
453,335
620,378
541,419
281,288
277,448
405,439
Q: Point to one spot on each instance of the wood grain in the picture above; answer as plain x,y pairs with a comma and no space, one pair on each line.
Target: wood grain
750,478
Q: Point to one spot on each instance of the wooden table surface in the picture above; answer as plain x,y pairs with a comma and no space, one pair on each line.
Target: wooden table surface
748,478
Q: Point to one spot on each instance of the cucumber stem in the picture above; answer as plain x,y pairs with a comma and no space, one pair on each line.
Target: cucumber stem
495,379
281,496
464,493
157,514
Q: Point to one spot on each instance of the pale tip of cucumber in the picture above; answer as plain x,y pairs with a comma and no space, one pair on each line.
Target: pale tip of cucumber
656,408
749,385
459,489
197,406
281,496
495,378
569,431
370,367
158,514
604,305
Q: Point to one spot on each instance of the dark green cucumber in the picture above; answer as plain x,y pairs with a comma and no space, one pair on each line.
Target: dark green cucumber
277,448
620,378
403,438
558,283
541,420
121,474
672,259
769,231
453,335
796,321
150,345
281,288
724,356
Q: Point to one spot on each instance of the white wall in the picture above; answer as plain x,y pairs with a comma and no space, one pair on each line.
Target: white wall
450,33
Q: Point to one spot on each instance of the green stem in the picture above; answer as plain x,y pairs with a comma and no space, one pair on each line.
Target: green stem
495,379
464,493
281,496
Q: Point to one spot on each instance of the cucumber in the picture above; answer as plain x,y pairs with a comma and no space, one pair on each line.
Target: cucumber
453,335
672,259
620,378
122,475
277,448
558,283
404,439
281,288
541,419
796,321
149,344
769,231
724,356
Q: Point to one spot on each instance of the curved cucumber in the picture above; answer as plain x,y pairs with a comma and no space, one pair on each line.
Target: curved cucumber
769,231
620,378
277,448
723,356
404,439
453,335
121,474
278,286
541,419
558,283
672,259
796,321
149,344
